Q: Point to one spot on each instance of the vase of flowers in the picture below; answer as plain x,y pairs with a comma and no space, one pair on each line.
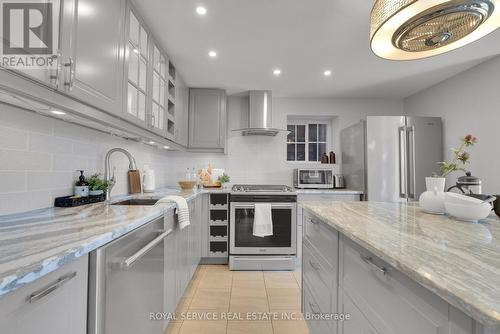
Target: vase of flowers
432,201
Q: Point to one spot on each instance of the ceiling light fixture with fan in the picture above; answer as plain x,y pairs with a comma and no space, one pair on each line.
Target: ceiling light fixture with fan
415,29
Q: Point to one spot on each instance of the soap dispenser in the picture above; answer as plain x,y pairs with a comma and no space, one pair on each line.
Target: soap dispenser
81,186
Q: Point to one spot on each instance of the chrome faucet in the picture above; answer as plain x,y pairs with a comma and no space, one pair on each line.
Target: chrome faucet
107,172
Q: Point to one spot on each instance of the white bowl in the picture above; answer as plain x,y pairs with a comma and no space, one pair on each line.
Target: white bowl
470,212
461,199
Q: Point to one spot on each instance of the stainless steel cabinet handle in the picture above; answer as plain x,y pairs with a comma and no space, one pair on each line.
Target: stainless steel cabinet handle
70,66
369,261
54,76
313,265
129,262
313,221
51,287
312,306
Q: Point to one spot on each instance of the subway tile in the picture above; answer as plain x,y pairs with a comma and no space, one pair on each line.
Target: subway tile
46,143
49,180
25,120
13,139
24,201
69,162
12,182
19,160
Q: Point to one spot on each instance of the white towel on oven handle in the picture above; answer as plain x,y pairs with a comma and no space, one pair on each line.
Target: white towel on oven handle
182,209
263,220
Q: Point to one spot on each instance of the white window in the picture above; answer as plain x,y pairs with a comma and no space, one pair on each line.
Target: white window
307,140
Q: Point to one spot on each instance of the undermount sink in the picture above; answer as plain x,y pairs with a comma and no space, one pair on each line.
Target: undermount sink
137,201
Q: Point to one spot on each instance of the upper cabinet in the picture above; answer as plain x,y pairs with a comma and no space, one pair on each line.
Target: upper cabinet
207,120
137,55
159,91
92,56
88,52
181,111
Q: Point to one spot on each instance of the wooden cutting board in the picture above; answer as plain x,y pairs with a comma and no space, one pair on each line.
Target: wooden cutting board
134,182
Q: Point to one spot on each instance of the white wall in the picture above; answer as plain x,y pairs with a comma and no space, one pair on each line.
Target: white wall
39,157
468,103
263,159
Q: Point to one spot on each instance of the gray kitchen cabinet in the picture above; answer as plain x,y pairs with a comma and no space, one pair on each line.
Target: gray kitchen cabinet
170,300
357,322
136,87
181,111
55,303
92,52
207,120
320,272
305,197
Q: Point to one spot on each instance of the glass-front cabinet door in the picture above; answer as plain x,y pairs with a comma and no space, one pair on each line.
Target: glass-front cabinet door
159,92
137,55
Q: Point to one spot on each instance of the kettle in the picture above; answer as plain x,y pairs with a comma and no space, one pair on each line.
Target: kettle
468,184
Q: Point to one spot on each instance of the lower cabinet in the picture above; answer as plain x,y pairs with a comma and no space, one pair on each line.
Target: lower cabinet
341,276
55,303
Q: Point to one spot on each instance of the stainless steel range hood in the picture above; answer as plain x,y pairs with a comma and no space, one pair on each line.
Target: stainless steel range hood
260,115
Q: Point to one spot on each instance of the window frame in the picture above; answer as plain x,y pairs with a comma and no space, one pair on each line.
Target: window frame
306,123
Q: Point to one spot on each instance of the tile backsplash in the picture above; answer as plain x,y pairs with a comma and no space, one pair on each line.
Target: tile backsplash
40,156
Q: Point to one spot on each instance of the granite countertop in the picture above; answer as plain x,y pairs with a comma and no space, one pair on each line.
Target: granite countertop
459,261
36,243
328,191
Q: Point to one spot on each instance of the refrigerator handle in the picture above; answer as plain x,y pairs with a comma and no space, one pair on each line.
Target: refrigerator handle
403,169
411,163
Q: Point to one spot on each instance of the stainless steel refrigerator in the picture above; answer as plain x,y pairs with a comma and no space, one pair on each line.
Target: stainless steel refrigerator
388,157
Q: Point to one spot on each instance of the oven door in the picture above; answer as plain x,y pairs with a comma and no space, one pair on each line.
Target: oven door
282,242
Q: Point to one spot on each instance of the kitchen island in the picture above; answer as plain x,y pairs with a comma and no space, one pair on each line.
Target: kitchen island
387,247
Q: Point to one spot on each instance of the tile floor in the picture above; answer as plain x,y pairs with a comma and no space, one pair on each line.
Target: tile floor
240,302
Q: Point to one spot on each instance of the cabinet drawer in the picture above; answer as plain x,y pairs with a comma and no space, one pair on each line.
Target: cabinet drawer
321,275
310,309
392,302
55,303
323,238
357,322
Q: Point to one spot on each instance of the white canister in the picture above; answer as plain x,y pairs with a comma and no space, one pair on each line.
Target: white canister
148,180
432,201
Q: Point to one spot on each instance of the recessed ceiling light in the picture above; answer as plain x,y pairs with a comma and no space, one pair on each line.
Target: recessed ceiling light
58,112
212,54
277,72
327,73
201,10
166,147
151,142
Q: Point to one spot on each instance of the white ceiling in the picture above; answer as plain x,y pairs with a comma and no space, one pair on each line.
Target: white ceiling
303,38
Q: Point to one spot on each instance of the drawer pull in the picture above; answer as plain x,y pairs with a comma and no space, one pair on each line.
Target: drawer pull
313,265
312,306
51,288
369,260
313,221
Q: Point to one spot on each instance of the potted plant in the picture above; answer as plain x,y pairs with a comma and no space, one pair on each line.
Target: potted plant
224,178
97,186
432,201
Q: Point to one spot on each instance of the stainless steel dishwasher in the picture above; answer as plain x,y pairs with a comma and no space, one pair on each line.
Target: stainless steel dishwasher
126,282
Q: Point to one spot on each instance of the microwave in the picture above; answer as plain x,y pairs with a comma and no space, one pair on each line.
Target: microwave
319,178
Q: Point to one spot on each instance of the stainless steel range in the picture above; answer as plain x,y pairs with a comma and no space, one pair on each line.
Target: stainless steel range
273,252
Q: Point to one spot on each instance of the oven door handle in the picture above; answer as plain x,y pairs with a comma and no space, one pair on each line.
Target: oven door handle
252,205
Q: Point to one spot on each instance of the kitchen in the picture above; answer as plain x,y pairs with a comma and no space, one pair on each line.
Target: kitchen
146,97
